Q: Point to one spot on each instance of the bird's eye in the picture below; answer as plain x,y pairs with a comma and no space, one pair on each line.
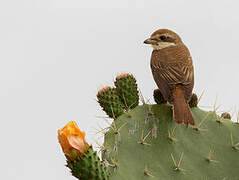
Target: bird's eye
162,37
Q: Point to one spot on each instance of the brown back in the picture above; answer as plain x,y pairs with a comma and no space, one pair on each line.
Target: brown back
170,66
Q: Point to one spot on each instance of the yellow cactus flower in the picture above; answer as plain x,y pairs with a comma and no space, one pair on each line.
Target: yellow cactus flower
72,139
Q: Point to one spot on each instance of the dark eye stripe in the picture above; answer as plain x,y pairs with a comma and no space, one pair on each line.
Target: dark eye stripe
155,39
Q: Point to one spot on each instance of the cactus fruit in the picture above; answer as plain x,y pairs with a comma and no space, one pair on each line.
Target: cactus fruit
193,101
110,102
226,115
127,90
158,97
115,101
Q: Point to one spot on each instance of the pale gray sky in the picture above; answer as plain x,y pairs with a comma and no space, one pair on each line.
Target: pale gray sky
56,54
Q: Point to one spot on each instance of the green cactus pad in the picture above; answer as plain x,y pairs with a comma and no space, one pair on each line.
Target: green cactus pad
88,167
158,97
193,101
150,145
110,102
127,90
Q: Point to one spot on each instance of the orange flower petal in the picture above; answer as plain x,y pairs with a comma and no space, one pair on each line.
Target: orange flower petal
72,138
76,142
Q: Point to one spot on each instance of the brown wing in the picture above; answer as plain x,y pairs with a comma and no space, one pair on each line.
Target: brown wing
169,72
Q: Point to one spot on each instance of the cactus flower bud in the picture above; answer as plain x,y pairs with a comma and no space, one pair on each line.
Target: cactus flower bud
72,140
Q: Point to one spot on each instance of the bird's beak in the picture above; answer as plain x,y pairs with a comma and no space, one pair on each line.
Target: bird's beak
150,41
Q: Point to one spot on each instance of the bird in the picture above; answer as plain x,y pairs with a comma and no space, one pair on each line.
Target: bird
173,72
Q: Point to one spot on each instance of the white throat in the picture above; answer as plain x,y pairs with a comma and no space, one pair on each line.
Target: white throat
162,45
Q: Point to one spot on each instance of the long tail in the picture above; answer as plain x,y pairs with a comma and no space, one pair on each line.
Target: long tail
181,111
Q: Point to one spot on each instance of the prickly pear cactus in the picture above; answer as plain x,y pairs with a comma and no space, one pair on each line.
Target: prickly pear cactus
143,142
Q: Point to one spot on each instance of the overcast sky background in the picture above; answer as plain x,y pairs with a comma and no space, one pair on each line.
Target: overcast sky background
56,54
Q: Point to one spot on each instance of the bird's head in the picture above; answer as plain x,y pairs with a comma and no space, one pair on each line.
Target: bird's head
163,38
